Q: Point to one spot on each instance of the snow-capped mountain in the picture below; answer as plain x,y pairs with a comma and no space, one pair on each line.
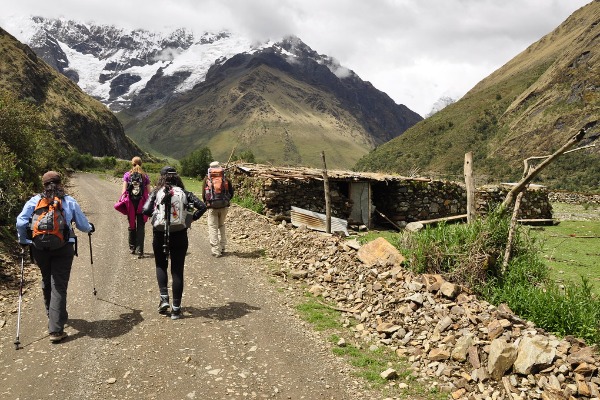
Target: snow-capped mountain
178,91
114,64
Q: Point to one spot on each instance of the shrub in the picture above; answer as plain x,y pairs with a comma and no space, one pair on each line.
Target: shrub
249,203
464,253
26,152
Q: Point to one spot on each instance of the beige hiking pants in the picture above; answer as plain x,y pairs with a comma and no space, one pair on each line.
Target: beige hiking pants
216,229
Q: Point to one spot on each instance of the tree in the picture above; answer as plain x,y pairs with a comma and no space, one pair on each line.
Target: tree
196,163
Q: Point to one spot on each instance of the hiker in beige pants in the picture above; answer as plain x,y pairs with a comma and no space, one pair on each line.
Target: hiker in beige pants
216,230
217,193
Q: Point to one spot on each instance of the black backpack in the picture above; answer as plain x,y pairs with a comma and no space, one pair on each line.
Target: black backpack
136,186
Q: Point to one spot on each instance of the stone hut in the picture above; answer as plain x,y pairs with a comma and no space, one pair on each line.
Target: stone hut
370,199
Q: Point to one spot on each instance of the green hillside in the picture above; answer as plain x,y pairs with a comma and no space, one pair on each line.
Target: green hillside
528,107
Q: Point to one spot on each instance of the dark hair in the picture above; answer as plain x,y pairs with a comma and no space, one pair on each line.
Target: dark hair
53,189
169,179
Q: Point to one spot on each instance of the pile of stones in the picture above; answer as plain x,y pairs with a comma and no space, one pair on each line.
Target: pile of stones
451,339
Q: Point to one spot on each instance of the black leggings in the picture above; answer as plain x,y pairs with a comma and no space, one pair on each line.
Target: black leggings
178,245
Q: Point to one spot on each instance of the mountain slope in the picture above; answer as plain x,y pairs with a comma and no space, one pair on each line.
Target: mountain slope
281,104
528,107
74,118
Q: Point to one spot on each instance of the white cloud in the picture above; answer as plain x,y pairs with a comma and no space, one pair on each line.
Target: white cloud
414,50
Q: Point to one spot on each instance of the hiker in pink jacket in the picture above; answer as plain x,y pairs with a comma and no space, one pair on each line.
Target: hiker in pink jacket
134,193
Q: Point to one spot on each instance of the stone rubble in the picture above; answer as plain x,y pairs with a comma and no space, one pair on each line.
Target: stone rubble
451,339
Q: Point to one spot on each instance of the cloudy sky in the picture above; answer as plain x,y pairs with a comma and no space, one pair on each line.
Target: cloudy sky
416,51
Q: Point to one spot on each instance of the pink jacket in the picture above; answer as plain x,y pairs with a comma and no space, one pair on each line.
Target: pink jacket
125,204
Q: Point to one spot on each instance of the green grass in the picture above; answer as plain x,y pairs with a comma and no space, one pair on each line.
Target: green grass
571,250
369,363
390,236
320,316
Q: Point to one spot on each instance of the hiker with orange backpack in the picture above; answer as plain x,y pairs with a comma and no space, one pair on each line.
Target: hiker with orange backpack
44,224
217,194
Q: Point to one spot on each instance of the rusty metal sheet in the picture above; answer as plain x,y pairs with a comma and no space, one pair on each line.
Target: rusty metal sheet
317,221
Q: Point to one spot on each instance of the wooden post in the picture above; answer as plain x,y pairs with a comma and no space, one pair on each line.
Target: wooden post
470,185
511,231
327,196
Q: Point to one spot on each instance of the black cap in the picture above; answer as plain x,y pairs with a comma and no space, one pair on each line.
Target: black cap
167,170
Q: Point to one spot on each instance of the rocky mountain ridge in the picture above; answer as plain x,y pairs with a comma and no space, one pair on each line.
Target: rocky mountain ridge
277,108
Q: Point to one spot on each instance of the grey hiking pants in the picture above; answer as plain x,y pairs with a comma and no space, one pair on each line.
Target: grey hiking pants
55,266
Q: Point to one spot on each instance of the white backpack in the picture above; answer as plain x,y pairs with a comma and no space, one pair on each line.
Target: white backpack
180,218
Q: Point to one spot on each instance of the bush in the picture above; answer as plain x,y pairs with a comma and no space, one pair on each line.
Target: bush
245,156
26,152
249,203
464,253
12,188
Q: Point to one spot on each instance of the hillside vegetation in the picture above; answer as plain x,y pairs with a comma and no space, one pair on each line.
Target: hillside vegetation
76,120
528,107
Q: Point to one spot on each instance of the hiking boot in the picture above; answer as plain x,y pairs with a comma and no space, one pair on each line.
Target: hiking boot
163,305
56,337
175,312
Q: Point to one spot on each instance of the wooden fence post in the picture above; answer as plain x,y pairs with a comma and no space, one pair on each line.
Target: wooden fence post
327,196
470,185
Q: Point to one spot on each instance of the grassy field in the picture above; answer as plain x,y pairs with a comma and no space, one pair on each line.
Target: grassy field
572,248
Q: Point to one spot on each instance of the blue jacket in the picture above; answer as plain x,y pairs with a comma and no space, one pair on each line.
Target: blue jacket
71,211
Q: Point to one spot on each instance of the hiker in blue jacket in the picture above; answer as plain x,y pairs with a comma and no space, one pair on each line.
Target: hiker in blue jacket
54,264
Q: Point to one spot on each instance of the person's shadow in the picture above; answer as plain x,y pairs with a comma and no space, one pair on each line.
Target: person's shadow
251,254
106,328
229,311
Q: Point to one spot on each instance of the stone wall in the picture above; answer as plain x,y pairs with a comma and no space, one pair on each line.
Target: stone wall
279,195
408,201
534,205
574,198
401,201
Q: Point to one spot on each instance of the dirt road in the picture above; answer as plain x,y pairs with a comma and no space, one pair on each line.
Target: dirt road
239,338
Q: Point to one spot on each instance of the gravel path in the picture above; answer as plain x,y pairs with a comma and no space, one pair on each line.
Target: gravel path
239,337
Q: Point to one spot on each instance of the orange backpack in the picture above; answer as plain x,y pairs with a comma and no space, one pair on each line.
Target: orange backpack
216,191
49,229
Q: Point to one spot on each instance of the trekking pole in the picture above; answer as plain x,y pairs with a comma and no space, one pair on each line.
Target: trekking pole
17,341
92,262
